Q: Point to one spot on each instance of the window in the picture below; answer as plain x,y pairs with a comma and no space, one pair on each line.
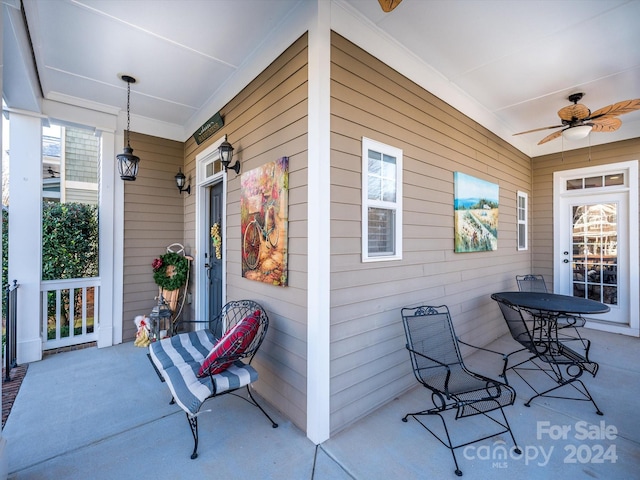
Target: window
381,201
609,180
522,220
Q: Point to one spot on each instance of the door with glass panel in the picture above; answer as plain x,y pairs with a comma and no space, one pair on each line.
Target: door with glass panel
592,245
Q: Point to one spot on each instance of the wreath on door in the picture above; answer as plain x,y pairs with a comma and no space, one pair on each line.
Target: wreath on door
216,239
170,270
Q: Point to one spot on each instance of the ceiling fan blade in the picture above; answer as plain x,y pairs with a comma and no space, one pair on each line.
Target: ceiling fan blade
548,138
619,108
538,130
388,5
605,124
574,112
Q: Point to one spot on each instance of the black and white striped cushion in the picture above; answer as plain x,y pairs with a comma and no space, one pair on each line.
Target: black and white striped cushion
178,359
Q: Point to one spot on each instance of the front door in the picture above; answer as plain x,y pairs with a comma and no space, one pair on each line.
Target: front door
214,252
593,254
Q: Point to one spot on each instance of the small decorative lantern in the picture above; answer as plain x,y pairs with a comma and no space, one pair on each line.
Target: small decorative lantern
159,318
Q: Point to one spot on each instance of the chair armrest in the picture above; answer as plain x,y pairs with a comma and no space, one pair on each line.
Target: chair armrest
480,348
440,364
212,324
417,371
505,357
585,342
176,327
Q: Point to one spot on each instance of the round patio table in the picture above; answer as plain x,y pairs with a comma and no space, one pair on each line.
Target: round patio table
552,303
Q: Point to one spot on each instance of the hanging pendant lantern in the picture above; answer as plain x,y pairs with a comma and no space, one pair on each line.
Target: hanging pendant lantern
127,161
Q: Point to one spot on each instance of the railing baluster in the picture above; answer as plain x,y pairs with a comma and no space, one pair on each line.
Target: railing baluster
67,290
10,330
84,310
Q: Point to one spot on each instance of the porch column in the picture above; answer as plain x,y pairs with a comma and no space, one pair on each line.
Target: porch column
4,461
110,326
318,255
25,230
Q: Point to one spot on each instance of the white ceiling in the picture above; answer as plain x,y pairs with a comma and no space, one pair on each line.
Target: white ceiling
509,65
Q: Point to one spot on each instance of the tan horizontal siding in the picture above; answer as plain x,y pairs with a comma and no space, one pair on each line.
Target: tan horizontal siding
542,208
152,220
265,121
369,365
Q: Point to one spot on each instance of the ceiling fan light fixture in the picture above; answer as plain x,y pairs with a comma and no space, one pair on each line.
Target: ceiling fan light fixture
576,133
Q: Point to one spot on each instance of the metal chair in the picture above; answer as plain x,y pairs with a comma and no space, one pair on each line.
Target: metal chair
438,366
563,360
179,361
536,283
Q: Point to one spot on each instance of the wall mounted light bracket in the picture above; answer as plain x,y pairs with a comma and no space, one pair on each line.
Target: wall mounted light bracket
226,154
180,181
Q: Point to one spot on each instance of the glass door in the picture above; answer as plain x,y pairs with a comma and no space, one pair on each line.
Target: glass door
595,247
595,252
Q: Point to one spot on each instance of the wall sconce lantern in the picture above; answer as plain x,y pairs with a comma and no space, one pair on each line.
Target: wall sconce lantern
127,161
180,180
226,154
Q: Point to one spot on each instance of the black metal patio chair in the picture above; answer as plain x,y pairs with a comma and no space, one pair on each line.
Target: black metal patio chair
536,283
438,366
213,361
562,359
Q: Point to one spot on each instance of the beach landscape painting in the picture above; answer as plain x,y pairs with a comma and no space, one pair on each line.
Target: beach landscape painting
476,214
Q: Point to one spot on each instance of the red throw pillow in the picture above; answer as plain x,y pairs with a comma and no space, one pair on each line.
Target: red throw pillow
234,342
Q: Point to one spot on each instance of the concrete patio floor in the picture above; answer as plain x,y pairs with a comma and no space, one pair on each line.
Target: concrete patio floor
103,414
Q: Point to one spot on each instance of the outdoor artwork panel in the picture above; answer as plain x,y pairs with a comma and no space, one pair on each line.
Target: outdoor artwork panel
476,214
264,220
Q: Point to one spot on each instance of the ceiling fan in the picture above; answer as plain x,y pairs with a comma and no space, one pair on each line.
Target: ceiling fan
578,121
388,5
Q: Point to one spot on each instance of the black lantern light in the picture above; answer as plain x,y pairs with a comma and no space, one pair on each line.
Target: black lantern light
127,161
180,180
226,154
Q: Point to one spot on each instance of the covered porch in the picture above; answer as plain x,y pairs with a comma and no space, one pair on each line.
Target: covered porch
73,419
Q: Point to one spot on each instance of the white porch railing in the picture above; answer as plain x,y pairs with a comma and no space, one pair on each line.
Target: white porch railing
69,311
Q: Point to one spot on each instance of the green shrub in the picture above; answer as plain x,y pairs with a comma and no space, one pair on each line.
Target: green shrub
69,240
69,249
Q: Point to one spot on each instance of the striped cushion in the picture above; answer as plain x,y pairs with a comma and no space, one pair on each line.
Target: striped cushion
178,359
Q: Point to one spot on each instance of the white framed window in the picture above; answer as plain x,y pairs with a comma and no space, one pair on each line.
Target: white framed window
523,214
381,201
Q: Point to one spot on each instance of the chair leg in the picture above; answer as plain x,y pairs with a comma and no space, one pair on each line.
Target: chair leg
506,422
193,423
554,373
584,392
448,443
255,402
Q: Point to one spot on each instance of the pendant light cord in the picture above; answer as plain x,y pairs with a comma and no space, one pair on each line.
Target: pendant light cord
128,115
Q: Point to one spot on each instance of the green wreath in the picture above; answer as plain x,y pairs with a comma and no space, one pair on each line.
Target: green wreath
180,271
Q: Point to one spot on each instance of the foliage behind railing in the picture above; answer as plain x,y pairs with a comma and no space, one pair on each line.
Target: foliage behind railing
69,240
70,311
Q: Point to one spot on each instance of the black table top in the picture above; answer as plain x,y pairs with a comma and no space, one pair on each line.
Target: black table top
552,302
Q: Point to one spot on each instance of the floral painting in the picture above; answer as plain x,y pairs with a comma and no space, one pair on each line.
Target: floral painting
476,214
264,219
